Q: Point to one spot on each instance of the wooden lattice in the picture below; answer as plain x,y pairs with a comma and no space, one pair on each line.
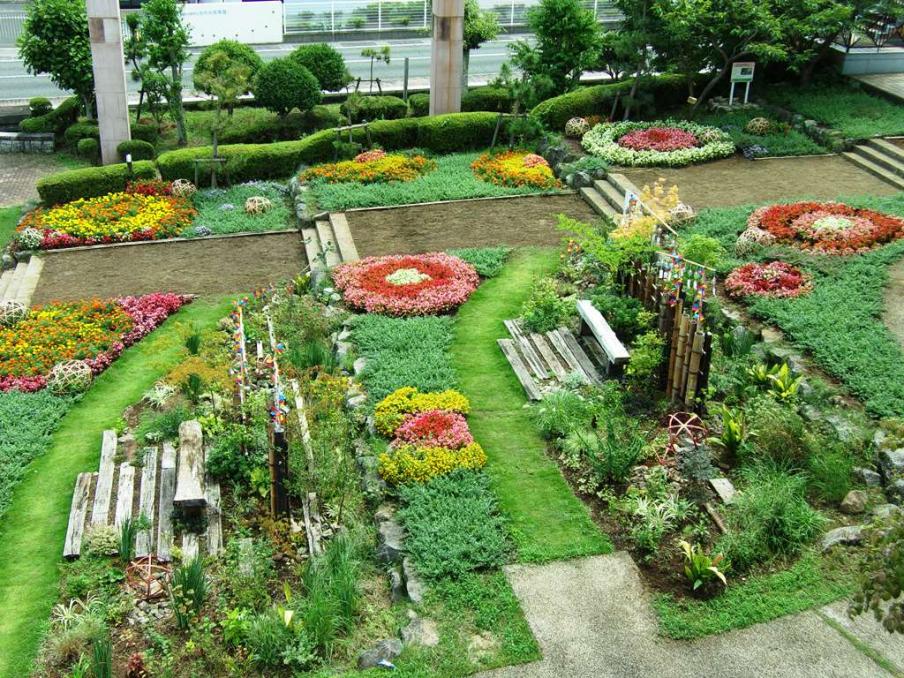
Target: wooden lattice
72,376
258,204
148,577
183,188
12,312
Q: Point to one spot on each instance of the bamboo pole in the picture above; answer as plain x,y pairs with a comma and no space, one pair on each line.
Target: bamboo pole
686,363
672,335
678,370
694,370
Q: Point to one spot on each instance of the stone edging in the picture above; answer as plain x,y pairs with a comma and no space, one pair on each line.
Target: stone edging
447,202
167,241
26,142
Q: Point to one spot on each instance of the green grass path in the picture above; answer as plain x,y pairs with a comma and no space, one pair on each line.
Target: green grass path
32,532
9,216
548,522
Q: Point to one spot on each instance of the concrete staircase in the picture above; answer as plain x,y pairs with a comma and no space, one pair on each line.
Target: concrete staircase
607,196
880,158
19,283
329,242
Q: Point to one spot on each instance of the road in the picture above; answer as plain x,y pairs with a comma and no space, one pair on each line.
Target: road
17,86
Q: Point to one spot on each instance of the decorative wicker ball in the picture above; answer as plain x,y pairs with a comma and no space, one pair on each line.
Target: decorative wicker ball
710,136
12,312
576,128
758,126
681,213
257,204
72,376
183,188
751,238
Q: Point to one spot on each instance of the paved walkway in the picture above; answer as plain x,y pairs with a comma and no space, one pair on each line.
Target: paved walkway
894,303
19,172
592,617
890,83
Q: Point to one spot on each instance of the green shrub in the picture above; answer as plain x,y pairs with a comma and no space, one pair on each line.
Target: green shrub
90,182
419,104
456,131
38,106
139,150
284,84
487,261
769,518
781,434
81,130
89,149
829,473
55,121
562,413
145,132
625,315
376,107
545,310
325,63
453,525
238,54
703,249
495,99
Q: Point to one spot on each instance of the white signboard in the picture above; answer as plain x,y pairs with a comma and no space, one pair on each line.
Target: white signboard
253,23
742,71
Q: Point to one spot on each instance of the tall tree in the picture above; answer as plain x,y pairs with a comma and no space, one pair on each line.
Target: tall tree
225,78
166,37
480,27
55,41
811,27
211,67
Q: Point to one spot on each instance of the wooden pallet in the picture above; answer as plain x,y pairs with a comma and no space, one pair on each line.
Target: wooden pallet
542,362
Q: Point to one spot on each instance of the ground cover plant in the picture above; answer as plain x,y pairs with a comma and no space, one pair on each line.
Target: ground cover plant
487,261
222,211
9,218
757,135
515,168
453,179
843,107
668,143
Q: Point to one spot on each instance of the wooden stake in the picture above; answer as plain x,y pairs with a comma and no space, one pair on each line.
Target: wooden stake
694,370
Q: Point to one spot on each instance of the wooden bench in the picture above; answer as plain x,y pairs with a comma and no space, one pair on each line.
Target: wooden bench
594,327
190,472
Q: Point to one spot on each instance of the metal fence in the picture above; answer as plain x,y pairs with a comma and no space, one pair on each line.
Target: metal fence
11,21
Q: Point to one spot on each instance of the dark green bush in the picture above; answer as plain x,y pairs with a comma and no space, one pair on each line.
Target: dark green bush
88,149
456,131
271,127
781,434
81,130
487,261
140,150
419,104
89,182
284,84
38,106
146,132
829,473
625,315
377,108
55,121
326,63
238,53
495,99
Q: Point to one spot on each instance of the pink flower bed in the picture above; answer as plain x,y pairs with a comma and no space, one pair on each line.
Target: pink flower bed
406,285
661,139
774,279
434,428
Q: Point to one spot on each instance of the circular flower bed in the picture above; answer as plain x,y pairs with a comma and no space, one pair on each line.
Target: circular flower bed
406,285
774,279
434,428
371,167
514,168
657,144
827,227
145,212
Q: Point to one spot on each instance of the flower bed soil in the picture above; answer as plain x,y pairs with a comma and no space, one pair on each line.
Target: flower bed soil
437,227
207,266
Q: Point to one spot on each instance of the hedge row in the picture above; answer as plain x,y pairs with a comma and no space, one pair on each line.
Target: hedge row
90,182
487,98
56,121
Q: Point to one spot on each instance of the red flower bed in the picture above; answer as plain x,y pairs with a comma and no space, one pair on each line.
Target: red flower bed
827,227
434,428
774,279
406,285
662,139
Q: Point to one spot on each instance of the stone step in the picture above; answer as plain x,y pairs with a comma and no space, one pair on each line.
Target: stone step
887,148
12,290
888,162
875,170
599,204
328,243
5,280
30,280
312,248
623,184
612,195
343,237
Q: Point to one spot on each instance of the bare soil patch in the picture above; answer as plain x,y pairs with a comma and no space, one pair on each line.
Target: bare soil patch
465,223
212,266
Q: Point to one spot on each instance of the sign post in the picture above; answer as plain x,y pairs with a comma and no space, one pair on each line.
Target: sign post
741,71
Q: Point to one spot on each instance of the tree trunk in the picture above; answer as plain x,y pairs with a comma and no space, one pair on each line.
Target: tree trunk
465,66
88,103
806,73
711,84
140,102
176,106
633,90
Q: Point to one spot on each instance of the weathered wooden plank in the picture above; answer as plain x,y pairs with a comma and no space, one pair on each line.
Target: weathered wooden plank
587,366
189,547
596,323
530,386
214,519
549,356
190,471
72,547
526,350
165,509
558,343
100,511
303,427
313,537
125,493
146,495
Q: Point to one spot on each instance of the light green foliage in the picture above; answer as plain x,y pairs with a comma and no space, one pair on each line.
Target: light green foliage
545,309
646,357
453,525
188,591
735,433
617,448
284,84
781,434
625,315
702,250
9,217
652,511
829,472
561,413
487,261
699,567
236,54
780,139
212,216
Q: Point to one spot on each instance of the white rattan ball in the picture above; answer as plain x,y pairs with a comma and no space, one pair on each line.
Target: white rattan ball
183,188
681,213
12,312
72,376
751,238
257,204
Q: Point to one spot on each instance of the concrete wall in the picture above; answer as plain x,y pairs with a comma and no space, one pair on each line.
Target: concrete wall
864,61
446,56
105,31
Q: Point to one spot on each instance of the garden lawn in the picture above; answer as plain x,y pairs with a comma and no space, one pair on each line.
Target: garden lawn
9,217
547,521
777,143
847,108
452,179
31,536
212,215
840,321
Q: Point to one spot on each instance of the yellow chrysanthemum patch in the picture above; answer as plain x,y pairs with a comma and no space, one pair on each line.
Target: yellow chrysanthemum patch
380,169
407,464
514,168
391,411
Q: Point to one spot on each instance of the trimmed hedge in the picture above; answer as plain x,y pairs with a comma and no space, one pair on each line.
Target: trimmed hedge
377,108
38,106
666,90
246,162
88,148
90,182
496,99
56,121
419,104
81,130
140,150
145,132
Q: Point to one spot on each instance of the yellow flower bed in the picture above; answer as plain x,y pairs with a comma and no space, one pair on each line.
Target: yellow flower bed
408,463
391,411
514,168
381,169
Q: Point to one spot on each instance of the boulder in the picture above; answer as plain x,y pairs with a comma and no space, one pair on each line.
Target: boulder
359,365
397,590
895,491
420,631
849,535
868,476
413,583
891,463
390,541
885,510
854,502
380,654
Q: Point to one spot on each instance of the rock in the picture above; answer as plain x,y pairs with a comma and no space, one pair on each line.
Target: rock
879,438
413,584
891,463
854,502
724,489
895,491
848,535
481,646
380,654
844,429
420,631
397,586
359,365
868,476
772,335
344,335
390,541
885,510
357,401
384,513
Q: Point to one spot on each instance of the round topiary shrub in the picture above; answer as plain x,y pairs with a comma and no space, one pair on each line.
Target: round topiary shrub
39,106
419,104
325,63
89,149
238,53
81,130
284,84
758,126
72,376
138,149
146,132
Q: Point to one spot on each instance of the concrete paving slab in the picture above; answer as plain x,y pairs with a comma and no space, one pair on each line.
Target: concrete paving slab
870,632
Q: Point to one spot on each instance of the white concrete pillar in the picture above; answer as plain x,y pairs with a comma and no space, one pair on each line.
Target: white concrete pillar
105,31
446,55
